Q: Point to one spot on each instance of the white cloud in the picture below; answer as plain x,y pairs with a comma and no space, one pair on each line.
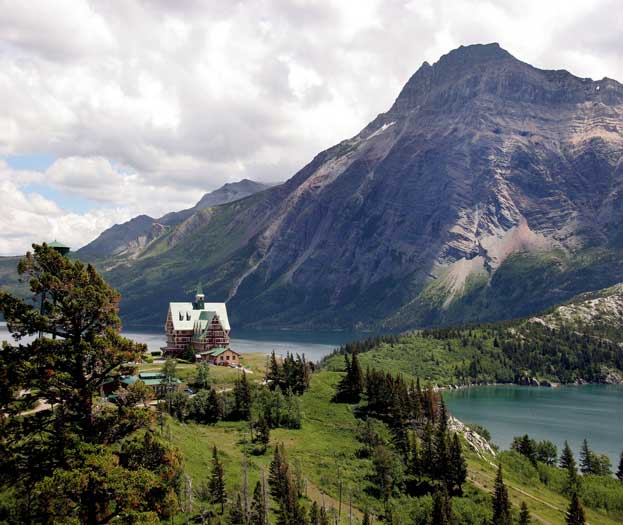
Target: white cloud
29,217
146,105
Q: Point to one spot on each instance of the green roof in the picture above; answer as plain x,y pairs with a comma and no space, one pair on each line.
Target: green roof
215,352
150,375
149,378
56,244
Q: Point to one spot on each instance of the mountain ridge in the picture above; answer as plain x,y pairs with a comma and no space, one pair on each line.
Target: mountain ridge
490,189
131,238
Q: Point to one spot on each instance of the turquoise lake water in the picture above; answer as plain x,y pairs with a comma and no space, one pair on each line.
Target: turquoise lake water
594,412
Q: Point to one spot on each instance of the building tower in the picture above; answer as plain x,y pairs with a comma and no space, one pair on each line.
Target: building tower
199,298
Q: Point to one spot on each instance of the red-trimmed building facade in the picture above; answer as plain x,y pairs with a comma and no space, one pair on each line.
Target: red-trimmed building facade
203,326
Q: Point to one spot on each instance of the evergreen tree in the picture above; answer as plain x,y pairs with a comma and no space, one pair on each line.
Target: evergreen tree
501,504
620,469
236,513
567,462
524,514
218,495
575,512
314,514
53,461
242,398
442,508
284,490
586,457
351,386
457,467
274,373
566,458
441,458
428,450
262,433
215,409
366,518
259,512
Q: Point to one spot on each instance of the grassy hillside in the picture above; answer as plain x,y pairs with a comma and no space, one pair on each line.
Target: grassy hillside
553,347
326,448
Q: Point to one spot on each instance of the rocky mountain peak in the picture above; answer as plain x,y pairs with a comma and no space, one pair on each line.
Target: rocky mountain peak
489,71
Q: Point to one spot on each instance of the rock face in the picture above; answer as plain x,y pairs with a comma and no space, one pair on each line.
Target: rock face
131,238
490,189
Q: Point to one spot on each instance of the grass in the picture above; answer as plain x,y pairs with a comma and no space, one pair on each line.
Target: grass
222,377
325,448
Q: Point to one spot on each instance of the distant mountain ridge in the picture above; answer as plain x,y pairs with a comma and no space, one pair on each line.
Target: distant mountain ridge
131,238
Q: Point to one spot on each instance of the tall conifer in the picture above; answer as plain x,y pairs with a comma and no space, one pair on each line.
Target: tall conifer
575,512
217,481
501,503
524,514
620,469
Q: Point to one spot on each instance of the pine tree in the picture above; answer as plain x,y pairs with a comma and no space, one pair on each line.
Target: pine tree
262,433
442,508
620,469
366,518
215,409
218,495
259,504
236,513
441,458
524,515
567,462
586,458
457,467
242,398
314,514
566,458
351,386
274,373
284,490
428,450
575,512
501,503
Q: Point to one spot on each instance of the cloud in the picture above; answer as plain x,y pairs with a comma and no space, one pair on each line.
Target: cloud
147,105
29,217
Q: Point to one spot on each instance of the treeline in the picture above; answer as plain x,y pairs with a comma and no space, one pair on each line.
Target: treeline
362,345
274,404
516,352
422,456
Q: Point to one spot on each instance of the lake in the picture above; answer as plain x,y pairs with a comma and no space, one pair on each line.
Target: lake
594,412
314,345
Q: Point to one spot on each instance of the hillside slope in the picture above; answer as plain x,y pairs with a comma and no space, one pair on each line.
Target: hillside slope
577,342
489,190
129,240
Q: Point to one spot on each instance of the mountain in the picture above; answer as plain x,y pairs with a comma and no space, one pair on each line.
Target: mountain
490,189
131,238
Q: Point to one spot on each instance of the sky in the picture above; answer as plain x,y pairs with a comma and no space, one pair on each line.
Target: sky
114,109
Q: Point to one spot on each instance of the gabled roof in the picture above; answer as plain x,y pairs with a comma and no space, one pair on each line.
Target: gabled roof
215,352
56,244
189,316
